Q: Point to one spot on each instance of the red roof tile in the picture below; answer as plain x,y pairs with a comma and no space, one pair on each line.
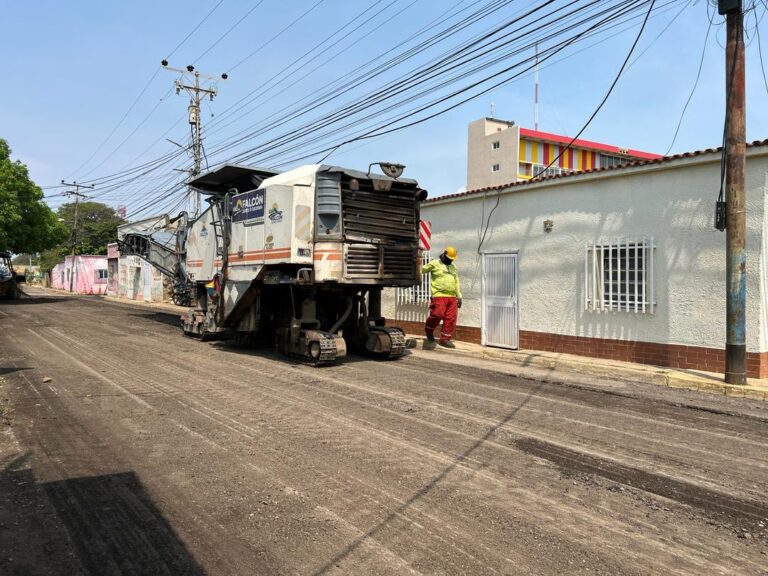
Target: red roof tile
629,164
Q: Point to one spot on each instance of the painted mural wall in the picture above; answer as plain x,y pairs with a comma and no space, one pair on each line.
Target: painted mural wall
673,202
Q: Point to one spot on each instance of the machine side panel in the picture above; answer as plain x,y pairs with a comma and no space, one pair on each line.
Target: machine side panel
302,225
202,261
264,239
246,244
329,261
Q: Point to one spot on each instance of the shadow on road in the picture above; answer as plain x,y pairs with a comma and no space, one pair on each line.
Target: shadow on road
93,525
11,369
426,489
162,317
258,349
268,352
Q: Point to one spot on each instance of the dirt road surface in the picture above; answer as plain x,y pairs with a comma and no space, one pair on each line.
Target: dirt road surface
126,448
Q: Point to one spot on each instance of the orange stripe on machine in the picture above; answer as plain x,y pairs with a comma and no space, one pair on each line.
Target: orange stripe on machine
325,255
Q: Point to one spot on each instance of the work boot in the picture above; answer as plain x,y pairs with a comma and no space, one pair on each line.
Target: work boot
447,344
430,334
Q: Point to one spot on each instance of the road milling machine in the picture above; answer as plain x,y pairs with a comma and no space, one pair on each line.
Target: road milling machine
298,258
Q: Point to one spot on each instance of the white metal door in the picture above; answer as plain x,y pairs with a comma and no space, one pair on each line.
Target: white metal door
147,274
499,302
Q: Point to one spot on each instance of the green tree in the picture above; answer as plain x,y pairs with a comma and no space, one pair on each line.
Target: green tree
96,226
27,224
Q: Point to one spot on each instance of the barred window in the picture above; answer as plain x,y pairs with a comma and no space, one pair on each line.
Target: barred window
102,276
619,276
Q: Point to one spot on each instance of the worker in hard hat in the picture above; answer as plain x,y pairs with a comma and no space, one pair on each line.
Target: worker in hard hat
446,297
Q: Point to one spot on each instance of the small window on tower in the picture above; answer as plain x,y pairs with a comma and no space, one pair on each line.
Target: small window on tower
495,168
496,145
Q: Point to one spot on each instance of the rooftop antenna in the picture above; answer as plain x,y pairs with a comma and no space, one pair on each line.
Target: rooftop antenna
536,88
493,105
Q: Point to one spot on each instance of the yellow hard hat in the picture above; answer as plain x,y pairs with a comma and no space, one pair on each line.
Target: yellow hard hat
451,252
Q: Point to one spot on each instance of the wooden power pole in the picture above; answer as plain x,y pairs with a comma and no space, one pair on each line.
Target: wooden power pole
76,193
735,167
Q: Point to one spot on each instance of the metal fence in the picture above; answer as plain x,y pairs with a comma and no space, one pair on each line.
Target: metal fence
412,303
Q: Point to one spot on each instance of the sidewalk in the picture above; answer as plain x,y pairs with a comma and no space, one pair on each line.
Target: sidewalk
565,364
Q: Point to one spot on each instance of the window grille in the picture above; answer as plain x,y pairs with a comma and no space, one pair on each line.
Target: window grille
618,276
542,170
102,275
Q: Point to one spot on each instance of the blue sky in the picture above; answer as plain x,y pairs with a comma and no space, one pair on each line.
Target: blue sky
72,69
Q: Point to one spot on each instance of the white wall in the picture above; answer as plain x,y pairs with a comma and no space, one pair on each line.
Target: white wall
672,201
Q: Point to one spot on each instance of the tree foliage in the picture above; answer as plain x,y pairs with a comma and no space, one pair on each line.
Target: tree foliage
27,224
96,226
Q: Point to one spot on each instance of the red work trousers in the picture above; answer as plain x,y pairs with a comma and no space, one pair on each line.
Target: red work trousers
445,308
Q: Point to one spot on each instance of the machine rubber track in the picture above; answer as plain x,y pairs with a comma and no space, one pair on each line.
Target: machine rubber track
328,351
397,341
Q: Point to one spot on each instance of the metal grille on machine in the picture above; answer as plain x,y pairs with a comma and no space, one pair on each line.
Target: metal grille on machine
379,216
381,229
379,260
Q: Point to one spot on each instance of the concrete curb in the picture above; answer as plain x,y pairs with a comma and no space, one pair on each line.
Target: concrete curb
624,371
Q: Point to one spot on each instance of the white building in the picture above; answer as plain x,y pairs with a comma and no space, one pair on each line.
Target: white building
621,263
136,279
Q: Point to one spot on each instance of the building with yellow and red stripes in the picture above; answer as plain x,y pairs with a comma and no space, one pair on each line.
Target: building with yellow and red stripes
501,152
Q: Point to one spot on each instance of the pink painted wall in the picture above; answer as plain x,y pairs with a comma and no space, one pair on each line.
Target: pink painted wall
90,275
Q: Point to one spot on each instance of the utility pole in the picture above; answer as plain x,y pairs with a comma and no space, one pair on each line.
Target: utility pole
735,214
76,193
196,95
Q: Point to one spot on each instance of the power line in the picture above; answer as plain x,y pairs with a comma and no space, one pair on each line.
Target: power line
454,65
360,103
276,142
188,36
260,88
181,118
119,123
141,93
586,124
331,90
136,129
235,25
690,96
760,52
388,90
273,38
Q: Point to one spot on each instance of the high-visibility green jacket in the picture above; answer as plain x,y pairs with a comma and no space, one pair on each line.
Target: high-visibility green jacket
445,279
